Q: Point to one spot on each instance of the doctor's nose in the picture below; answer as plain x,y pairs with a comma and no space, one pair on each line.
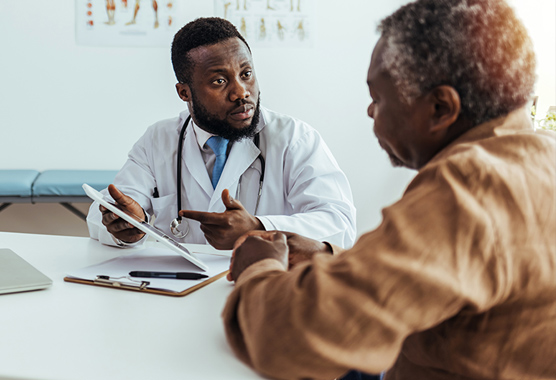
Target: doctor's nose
239,90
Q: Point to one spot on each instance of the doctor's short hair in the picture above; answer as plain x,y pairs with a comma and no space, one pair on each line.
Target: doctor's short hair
200,32
478,47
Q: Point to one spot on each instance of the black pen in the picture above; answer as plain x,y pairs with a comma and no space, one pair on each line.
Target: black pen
174,275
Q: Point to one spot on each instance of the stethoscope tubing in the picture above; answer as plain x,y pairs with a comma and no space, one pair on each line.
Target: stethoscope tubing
178,182
180,148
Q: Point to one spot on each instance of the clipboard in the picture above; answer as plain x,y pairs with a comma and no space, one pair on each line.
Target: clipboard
117,284
114,273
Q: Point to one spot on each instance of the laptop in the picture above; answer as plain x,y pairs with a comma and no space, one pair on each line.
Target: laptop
17,275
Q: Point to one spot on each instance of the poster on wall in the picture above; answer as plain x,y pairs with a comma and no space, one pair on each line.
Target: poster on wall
271,23
128,22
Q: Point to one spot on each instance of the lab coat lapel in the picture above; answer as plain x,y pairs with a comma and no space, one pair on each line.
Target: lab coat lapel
194,162
242,154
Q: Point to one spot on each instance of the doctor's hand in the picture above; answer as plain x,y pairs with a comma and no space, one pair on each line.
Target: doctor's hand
255,246
118,227
222,229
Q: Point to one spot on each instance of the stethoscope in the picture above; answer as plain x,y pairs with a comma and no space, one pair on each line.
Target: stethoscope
180,228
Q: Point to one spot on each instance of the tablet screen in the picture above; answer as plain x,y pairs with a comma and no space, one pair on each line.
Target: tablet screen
143,226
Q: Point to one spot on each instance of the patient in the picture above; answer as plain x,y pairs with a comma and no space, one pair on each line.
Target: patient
459,280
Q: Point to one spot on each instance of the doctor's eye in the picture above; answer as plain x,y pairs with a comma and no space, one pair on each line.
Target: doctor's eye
219,81
247,74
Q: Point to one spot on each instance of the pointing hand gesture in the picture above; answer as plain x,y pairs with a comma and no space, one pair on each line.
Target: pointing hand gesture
222,229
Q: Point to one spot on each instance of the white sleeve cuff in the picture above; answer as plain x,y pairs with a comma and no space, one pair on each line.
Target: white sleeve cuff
123,244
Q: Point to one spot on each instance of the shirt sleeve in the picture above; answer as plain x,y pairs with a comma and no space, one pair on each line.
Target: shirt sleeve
319,193
434,254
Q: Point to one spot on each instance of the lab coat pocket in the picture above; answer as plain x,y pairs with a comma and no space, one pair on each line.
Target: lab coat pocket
165,208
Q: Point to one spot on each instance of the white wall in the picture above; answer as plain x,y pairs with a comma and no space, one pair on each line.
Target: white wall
539,16
64,106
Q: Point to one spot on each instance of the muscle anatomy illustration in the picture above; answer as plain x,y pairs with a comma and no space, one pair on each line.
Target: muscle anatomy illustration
262,29
243,27
136,10
300,30
244,5
110,11
280,28
226,6
271,22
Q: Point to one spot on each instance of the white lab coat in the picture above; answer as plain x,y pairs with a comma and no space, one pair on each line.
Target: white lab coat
304,190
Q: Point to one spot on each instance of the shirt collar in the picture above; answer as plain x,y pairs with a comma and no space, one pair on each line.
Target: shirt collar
514,122
201,135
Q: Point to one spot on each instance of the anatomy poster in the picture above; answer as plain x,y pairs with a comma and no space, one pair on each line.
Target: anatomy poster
128,22
271,23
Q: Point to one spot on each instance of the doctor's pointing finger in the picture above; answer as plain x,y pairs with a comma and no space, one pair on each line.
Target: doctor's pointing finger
222,229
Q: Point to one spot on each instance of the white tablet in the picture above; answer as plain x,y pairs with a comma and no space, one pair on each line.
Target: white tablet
144,226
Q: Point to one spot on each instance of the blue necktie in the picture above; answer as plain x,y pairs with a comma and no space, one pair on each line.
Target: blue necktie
219,145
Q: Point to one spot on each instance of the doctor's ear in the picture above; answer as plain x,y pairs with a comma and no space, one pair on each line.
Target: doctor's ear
184,92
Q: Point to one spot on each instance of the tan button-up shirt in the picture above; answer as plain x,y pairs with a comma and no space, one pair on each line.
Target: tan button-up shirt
458,282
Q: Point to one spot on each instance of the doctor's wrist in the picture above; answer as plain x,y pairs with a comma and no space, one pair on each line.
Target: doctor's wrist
122,243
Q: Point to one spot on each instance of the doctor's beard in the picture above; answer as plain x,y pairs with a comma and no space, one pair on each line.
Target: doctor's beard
216,126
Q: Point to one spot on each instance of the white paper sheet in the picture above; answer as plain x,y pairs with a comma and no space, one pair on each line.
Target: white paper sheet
158,260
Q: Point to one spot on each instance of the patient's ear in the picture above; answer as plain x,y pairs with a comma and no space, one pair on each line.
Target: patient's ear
184,92
447,107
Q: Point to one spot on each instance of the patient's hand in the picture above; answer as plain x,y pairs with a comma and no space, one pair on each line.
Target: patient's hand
255,246
259,245
118,227
302,248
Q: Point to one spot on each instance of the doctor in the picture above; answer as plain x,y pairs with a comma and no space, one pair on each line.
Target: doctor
269,172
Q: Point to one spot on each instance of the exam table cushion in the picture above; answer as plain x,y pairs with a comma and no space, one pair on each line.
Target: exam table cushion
69,182
17,182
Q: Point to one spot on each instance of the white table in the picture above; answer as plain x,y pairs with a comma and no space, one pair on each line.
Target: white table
74,331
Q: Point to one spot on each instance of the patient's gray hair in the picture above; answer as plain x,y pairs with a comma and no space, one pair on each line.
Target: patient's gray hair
479,47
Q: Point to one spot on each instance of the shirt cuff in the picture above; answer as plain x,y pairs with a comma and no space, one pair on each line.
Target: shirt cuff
267,224
122,244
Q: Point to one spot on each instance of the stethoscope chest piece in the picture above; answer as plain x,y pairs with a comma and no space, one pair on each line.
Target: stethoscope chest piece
179,227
